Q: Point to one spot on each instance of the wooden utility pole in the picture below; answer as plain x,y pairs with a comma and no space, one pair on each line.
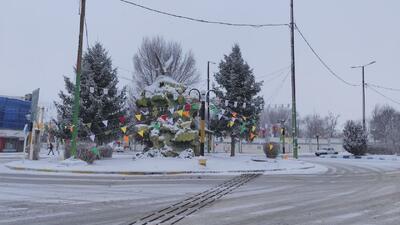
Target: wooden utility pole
78,81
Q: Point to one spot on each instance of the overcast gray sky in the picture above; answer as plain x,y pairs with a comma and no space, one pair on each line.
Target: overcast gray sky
38,44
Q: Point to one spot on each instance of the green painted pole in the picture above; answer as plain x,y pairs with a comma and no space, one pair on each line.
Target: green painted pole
77,91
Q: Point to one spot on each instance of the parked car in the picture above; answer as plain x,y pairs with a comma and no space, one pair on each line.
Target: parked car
326,151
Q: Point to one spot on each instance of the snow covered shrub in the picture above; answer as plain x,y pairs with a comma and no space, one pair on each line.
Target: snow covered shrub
271,150
87,152
105,151
186,154
138,155
354,138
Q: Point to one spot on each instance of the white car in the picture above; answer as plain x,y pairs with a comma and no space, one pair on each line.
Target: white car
326,151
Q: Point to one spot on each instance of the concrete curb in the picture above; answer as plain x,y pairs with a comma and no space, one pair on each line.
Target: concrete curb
358,157
147,173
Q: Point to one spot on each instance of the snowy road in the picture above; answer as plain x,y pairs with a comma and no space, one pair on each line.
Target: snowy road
350,192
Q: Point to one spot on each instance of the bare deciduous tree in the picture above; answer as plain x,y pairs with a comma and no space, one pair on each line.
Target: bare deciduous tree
157,57
331,122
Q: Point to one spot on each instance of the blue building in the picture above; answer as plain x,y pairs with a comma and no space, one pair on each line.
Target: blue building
13,111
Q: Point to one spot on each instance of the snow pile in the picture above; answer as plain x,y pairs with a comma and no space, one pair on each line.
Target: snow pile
73,162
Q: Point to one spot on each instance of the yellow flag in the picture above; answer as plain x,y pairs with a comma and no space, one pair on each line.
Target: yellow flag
141,133
180,112
230,124
138,117
123,129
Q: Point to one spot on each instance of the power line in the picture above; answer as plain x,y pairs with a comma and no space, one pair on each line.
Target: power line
322,61
383,87
276,91
204,20
275,72
379,93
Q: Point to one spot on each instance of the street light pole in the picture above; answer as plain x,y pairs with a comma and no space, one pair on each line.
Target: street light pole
208,105
363,90
202,120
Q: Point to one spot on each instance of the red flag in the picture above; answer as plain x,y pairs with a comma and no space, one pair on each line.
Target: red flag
122,119
187,107
164,117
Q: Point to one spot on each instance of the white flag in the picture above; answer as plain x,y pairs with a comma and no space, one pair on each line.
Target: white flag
223,111
105,122
92,137
172,110
226,102
219,116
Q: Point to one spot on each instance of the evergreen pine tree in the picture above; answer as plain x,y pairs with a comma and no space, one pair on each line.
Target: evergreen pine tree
100,99
236,79
354,138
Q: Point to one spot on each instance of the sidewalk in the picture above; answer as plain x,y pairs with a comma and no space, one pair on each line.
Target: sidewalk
123,164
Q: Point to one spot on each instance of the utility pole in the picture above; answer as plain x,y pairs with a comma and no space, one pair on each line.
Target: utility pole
294,122
78,81
363,90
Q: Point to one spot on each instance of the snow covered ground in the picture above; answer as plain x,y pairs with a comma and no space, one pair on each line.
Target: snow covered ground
219,163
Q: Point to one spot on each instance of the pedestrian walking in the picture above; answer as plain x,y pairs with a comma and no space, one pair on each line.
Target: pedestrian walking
50,149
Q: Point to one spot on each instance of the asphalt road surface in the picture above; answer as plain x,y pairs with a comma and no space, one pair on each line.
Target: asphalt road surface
345,194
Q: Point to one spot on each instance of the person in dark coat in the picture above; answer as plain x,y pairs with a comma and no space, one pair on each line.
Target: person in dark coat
50,149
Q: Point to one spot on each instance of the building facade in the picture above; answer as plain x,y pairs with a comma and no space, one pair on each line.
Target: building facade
13,111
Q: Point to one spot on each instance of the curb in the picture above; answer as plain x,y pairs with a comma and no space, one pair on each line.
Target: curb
358,157
147,173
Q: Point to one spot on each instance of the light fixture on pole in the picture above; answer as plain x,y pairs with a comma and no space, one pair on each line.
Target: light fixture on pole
363,89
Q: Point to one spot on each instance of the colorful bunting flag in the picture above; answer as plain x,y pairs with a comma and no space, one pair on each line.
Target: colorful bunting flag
92,137
91,90
187,107
122,119
124,129
141,133
226,102
171,110
244,118
164,117
186,113
234,114
105,122
89,125
219,116
105,90
252,136
126,139
180,112
235,104
138,117
253,128
231,123
244,105
195,106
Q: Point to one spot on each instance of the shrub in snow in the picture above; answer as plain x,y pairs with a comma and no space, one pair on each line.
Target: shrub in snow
354,138
271,149
186,154
87,152
105,151
138,155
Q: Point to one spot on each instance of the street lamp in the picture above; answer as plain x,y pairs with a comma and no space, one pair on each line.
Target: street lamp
363,89
202,120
